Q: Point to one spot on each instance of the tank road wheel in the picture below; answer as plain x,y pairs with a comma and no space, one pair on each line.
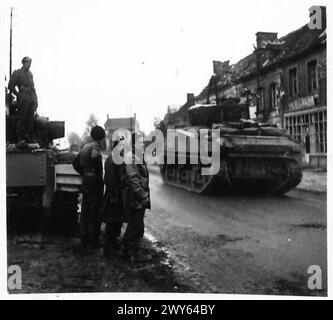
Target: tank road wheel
171,173
187,177
198,182
178,173
193,177
183,174
203,182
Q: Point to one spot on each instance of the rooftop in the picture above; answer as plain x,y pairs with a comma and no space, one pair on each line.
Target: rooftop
286,48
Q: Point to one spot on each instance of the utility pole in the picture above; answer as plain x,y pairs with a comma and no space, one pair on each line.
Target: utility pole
259,93
9,97
10,41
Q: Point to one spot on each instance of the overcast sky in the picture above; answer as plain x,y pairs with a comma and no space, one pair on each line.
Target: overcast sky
125,57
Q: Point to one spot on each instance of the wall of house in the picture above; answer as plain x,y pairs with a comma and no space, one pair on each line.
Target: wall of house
301,65
280,77
305,114
266,111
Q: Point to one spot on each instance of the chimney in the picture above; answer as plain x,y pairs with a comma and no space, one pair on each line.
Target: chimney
264,37
190,99
221,68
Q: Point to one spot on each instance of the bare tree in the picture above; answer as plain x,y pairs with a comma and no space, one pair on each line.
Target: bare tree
90,123
74,139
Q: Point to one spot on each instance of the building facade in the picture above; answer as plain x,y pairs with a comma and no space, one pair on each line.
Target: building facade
284,83
123,127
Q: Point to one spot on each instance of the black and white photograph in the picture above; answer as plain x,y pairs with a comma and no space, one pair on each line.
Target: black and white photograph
164,149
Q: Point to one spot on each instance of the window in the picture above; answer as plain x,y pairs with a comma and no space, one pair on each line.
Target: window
293,82
320,123
272,95
261,99
309,129
312,76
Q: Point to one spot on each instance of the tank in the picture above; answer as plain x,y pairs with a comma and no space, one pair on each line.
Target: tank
42,187
254,157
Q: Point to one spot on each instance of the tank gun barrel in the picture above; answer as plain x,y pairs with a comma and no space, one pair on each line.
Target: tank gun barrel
54,129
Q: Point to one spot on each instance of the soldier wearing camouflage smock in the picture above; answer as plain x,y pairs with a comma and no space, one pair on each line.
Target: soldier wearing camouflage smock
89,164
21,84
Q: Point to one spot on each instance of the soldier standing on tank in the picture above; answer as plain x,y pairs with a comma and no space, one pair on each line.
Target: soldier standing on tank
89,164
27,102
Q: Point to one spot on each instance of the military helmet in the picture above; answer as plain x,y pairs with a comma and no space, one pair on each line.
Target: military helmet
97,133
26,59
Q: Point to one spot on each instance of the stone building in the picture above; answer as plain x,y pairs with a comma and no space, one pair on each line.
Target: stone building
284,83
123,126
178,117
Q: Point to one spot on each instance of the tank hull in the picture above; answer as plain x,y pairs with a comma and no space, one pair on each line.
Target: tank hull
250,164
260,178
38,181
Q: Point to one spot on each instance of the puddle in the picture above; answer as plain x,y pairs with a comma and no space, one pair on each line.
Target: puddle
225,238
311,226
159,248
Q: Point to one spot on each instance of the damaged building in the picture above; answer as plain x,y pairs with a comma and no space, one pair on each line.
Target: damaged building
283,81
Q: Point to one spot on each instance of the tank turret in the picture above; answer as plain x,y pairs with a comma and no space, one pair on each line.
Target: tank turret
44,131
252,156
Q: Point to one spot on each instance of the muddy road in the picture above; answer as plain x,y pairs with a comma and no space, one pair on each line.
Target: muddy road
209,244
243,244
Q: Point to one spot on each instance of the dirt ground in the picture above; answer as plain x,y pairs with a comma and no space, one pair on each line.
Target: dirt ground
243,244
232,244
61,265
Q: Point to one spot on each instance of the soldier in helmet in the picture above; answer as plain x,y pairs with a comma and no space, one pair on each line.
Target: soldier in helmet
89,164
21,84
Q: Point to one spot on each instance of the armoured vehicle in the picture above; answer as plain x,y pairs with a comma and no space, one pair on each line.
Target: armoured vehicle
254,157
42,186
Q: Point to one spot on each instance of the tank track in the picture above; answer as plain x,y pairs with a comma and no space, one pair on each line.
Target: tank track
294,177
189,177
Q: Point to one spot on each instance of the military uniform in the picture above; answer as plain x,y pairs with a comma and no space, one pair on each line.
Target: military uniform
26,99
112,209
136,199
89,164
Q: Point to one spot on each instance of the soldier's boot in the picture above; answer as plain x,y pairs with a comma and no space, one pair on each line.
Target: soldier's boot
137,255
84,242
95,244
125,251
